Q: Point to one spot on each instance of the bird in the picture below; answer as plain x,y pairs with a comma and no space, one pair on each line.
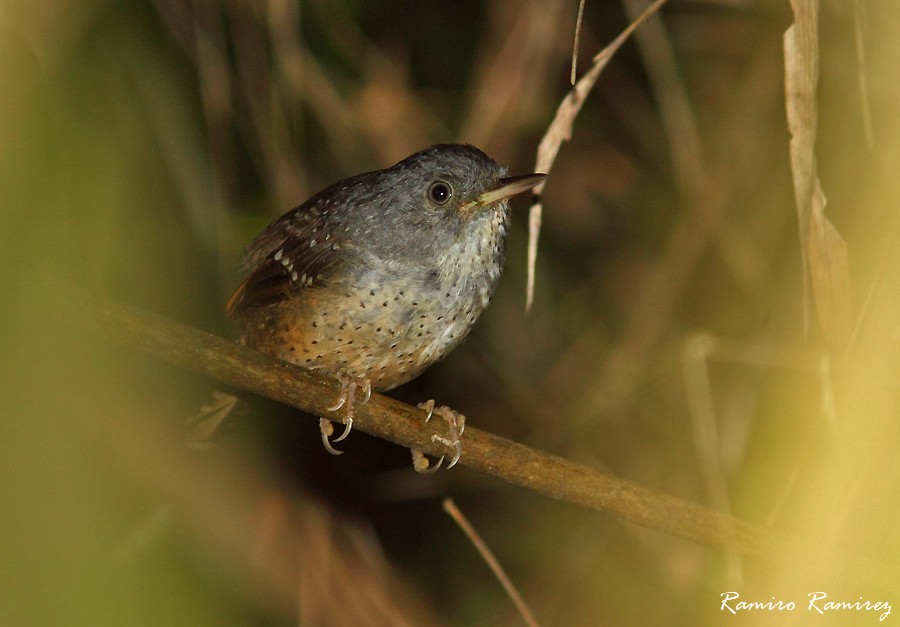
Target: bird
380,275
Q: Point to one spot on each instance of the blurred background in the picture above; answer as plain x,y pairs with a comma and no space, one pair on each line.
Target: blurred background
672,341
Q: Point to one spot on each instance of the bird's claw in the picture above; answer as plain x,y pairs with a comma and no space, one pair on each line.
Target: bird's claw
421,463
327,429
349,386
457,424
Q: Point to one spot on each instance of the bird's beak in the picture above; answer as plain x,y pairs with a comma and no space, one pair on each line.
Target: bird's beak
509,186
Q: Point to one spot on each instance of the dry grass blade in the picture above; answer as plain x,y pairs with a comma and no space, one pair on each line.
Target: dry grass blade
829,268
560,130
495,566
823,250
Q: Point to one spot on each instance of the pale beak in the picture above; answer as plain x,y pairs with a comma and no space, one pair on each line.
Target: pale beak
509,186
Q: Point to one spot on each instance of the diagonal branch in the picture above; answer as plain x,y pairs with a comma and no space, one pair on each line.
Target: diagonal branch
403,424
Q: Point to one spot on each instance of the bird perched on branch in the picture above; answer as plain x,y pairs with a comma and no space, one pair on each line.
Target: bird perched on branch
382,274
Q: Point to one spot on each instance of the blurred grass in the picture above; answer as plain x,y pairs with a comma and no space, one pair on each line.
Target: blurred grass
145,144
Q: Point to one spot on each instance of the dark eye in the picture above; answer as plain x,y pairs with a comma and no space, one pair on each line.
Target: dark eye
440,192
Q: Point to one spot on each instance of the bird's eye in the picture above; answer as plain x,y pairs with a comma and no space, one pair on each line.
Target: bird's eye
440,192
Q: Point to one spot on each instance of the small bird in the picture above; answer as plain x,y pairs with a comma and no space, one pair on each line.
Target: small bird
382,274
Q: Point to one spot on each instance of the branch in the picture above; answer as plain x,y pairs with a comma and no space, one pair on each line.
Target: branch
403,424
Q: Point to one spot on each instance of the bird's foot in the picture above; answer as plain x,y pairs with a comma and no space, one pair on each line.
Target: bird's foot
457,424
349,388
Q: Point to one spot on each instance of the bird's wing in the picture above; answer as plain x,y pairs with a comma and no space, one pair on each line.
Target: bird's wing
290,256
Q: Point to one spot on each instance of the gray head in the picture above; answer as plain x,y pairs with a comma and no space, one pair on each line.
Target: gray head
432,198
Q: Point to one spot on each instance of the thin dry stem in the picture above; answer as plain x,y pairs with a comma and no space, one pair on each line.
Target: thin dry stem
492,562
574,76
560,130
